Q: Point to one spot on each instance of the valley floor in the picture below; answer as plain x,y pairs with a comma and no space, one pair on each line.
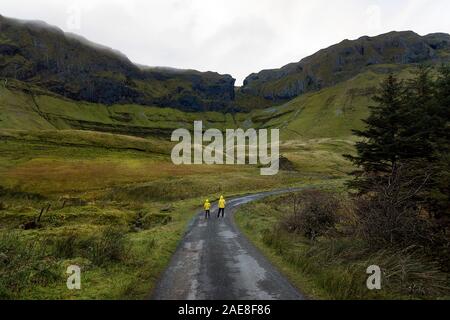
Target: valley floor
116,206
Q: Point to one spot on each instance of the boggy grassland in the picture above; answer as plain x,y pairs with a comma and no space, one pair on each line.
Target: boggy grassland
116,206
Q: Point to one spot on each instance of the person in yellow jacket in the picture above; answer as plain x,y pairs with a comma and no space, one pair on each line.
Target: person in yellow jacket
222,203
207,206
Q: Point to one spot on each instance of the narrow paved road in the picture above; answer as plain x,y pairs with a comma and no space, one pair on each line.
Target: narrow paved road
215,261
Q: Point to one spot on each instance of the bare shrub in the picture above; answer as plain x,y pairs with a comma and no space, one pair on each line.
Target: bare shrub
409,271
314,213
390,214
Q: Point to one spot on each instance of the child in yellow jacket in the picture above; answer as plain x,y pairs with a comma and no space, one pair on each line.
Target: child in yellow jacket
207,206
222,203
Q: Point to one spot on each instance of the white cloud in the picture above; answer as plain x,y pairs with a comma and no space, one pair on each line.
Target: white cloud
373,16
230,36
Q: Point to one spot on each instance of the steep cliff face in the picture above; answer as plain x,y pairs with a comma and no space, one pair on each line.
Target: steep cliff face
342,61
71,66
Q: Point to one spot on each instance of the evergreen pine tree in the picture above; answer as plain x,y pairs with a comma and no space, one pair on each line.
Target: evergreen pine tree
419,118
380,147
437,193
409,126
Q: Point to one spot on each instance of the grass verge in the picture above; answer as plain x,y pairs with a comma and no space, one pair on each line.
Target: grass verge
334,266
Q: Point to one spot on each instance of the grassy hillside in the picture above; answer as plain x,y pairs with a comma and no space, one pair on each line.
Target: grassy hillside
328,113
103,185
26,107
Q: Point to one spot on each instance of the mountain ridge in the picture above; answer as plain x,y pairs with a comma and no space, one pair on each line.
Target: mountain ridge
79,69
71,66
345,59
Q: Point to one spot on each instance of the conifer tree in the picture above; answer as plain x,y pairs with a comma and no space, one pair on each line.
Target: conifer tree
410,125
380,147
437,193
419,119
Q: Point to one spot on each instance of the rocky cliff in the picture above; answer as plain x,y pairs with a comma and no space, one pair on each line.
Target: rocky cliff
342,61
34,52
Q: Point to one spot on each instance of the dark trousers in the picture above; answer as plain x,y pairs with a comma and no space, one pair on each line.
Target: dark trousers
207,214
220,210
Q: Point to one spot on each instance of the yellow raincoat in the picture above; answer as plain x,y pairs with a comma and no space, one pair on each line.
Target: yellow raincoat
222,202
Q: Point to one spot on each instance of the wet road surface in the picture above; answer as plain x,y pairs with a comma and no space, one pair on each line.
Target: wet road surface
215,261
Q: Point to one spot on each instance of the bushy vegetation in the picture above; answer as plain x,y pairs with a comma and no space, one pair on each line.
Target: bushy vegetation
389,216
402,181
333,265
24,264
106,247
40,261
117,259
314,213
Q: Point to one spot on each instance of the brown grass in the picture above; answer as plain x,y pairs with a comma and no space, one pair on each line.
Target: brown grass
59,175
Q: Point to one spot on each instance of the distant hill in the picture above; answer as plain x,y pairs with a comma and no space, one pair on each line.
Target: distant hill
71,66
344,60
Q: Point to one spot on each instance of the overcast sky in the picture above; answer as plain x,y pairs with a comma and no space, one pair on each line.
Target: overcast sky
237,37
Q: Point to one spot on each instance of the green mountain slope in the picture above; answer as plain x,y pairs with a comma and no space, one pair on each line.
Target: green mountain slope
23,107
330,112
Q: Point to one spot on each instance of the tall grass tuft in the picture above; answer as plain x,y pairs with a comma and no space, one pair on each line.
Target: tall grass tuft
24,264
339,267
65,246
108,247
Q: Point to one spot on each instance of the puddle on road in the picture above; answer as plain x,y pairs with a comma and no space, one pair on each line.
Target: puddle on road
227,234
